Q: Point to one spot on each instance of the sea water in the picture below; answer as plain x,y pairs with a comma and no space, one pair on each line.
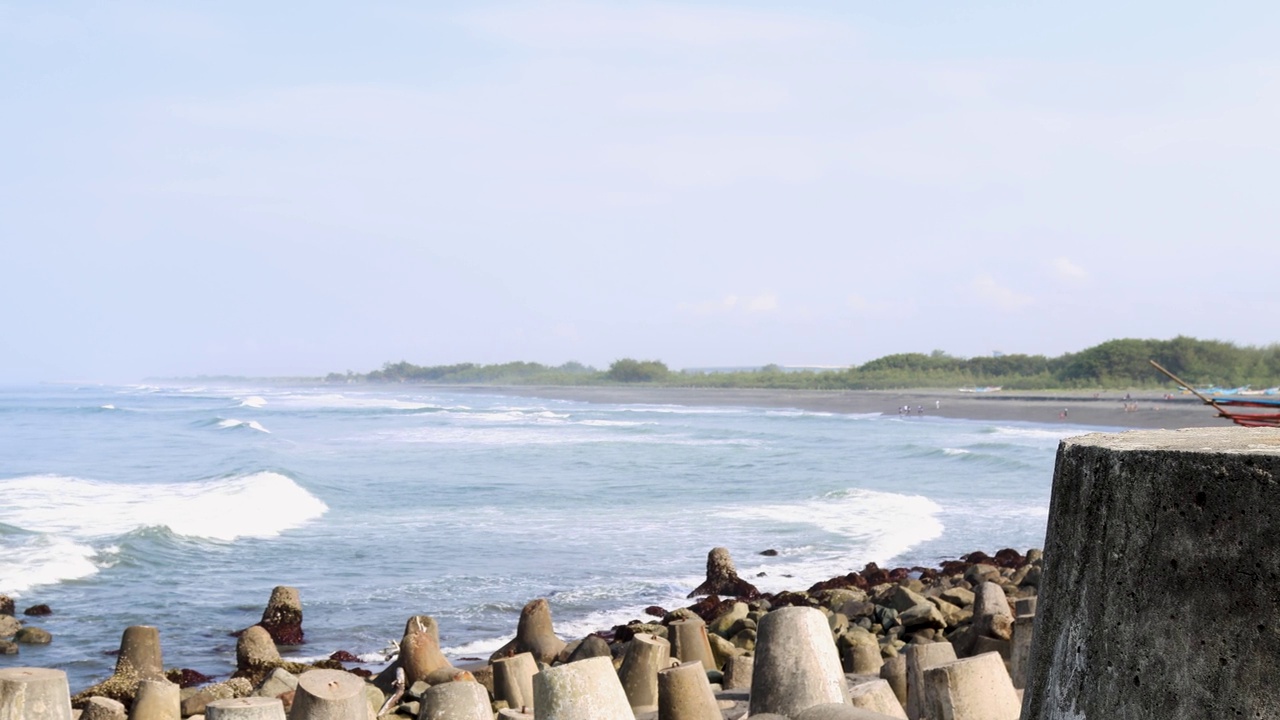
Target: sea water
182,507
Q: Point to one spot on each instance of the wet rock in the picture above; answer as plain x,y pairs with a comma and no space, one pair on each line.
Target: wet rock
33,636
233,688
278,682
589,647
8,648
769,553
9,626
722,578
38,610
6,605
283,616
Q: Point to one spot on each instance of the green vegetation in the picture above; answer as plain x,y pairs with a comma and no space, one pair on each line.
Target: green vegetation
1112,364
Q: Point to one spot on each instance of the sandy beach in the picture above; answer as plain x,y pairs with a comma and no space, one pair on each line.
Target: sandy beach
1102,409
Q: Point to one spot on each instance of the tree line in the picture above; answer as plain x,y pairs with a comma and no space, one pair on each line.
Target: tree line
1118,363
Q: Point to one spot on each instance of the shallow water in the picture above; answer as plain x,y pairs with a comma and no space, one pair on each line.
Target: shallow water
182,507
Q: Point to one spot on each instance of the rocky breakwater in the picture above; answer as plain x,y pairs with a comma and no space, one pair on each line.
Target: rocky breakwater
878,643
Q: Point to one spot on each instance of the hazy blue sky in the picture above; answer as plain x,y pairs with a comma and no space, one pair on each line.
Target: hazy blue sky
287,188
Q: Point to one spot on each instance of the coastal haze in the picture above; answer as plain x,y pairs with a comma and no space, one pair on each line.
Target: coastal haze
294,190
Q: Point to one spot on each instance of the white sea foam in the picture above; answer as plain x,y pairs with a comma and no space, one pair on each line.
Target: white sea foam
340,401
234,423
108,406
253,401
613,423
263,504
531,434
1036,433
955,451
880,526
36,560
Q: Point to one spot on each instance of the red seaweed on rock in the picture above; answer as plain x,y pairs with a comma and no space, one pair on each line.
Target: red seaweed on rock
186,677
283,616
874,575
344,656
852,580
722,578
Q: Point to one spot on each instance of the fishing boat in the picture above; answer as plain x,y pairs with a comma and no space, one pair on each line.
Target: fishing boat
1229,407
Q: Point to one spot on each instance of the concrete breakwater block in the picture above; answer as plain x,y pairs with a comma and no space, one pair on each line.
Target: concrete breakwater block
456,701
894,672
248,708
1160,594
796,665
837,711
156,700
420,654
585,690
646,655
282,618
513,680
877,696
737,672
685,694
329,695
976,688
34,694
919,659
689,642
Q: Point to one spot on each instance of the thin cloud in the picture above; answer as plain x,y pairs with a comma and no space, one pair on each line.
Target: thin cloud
993,293
732,305
1067,270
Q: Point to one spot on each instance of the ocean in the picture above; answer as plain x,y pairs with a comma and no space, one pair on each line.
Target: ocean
182,507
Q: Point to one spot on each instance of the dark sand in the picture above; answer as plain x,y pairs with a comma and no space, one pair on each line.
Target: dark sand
1101,409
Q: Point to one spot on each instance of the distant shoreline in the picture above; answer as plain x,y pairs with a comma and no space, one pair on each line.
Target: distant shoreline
1099,409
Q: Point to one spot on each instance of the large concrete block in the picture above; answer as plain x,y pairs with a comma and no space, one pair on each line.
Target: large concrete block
585,690
1160,596
877,696
797,665
919,659
28,693
976,688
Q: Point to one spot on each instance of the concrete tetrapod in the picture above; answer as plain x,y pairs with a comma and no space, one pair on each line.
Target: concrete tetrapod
737,672
1158,597
919,659
797,665
156,700
877,696
646,655
535,634
329,695
420,649
585,690
34,694
456,701
837,711
513,680
1020,649
282,617
246,708
140,654
685,694
894,672
689,642
975,688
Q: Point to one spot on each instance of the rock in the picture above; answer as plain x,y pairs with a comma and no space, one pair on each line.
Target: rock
100,708
722,649
38,610
991,614
836,598
769,553
921,616
8,648
33,636
722,578
981,573
6,605
957,596
589,647
277,683
722,625
233,688
282,617
953,614
903,599
9,626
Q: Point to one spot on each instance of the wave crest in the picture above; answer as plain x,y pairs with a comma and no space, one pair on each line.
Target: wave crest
258,505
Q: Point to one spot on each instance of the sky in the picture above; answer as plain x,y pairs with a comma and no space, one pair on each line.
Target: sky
292,188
